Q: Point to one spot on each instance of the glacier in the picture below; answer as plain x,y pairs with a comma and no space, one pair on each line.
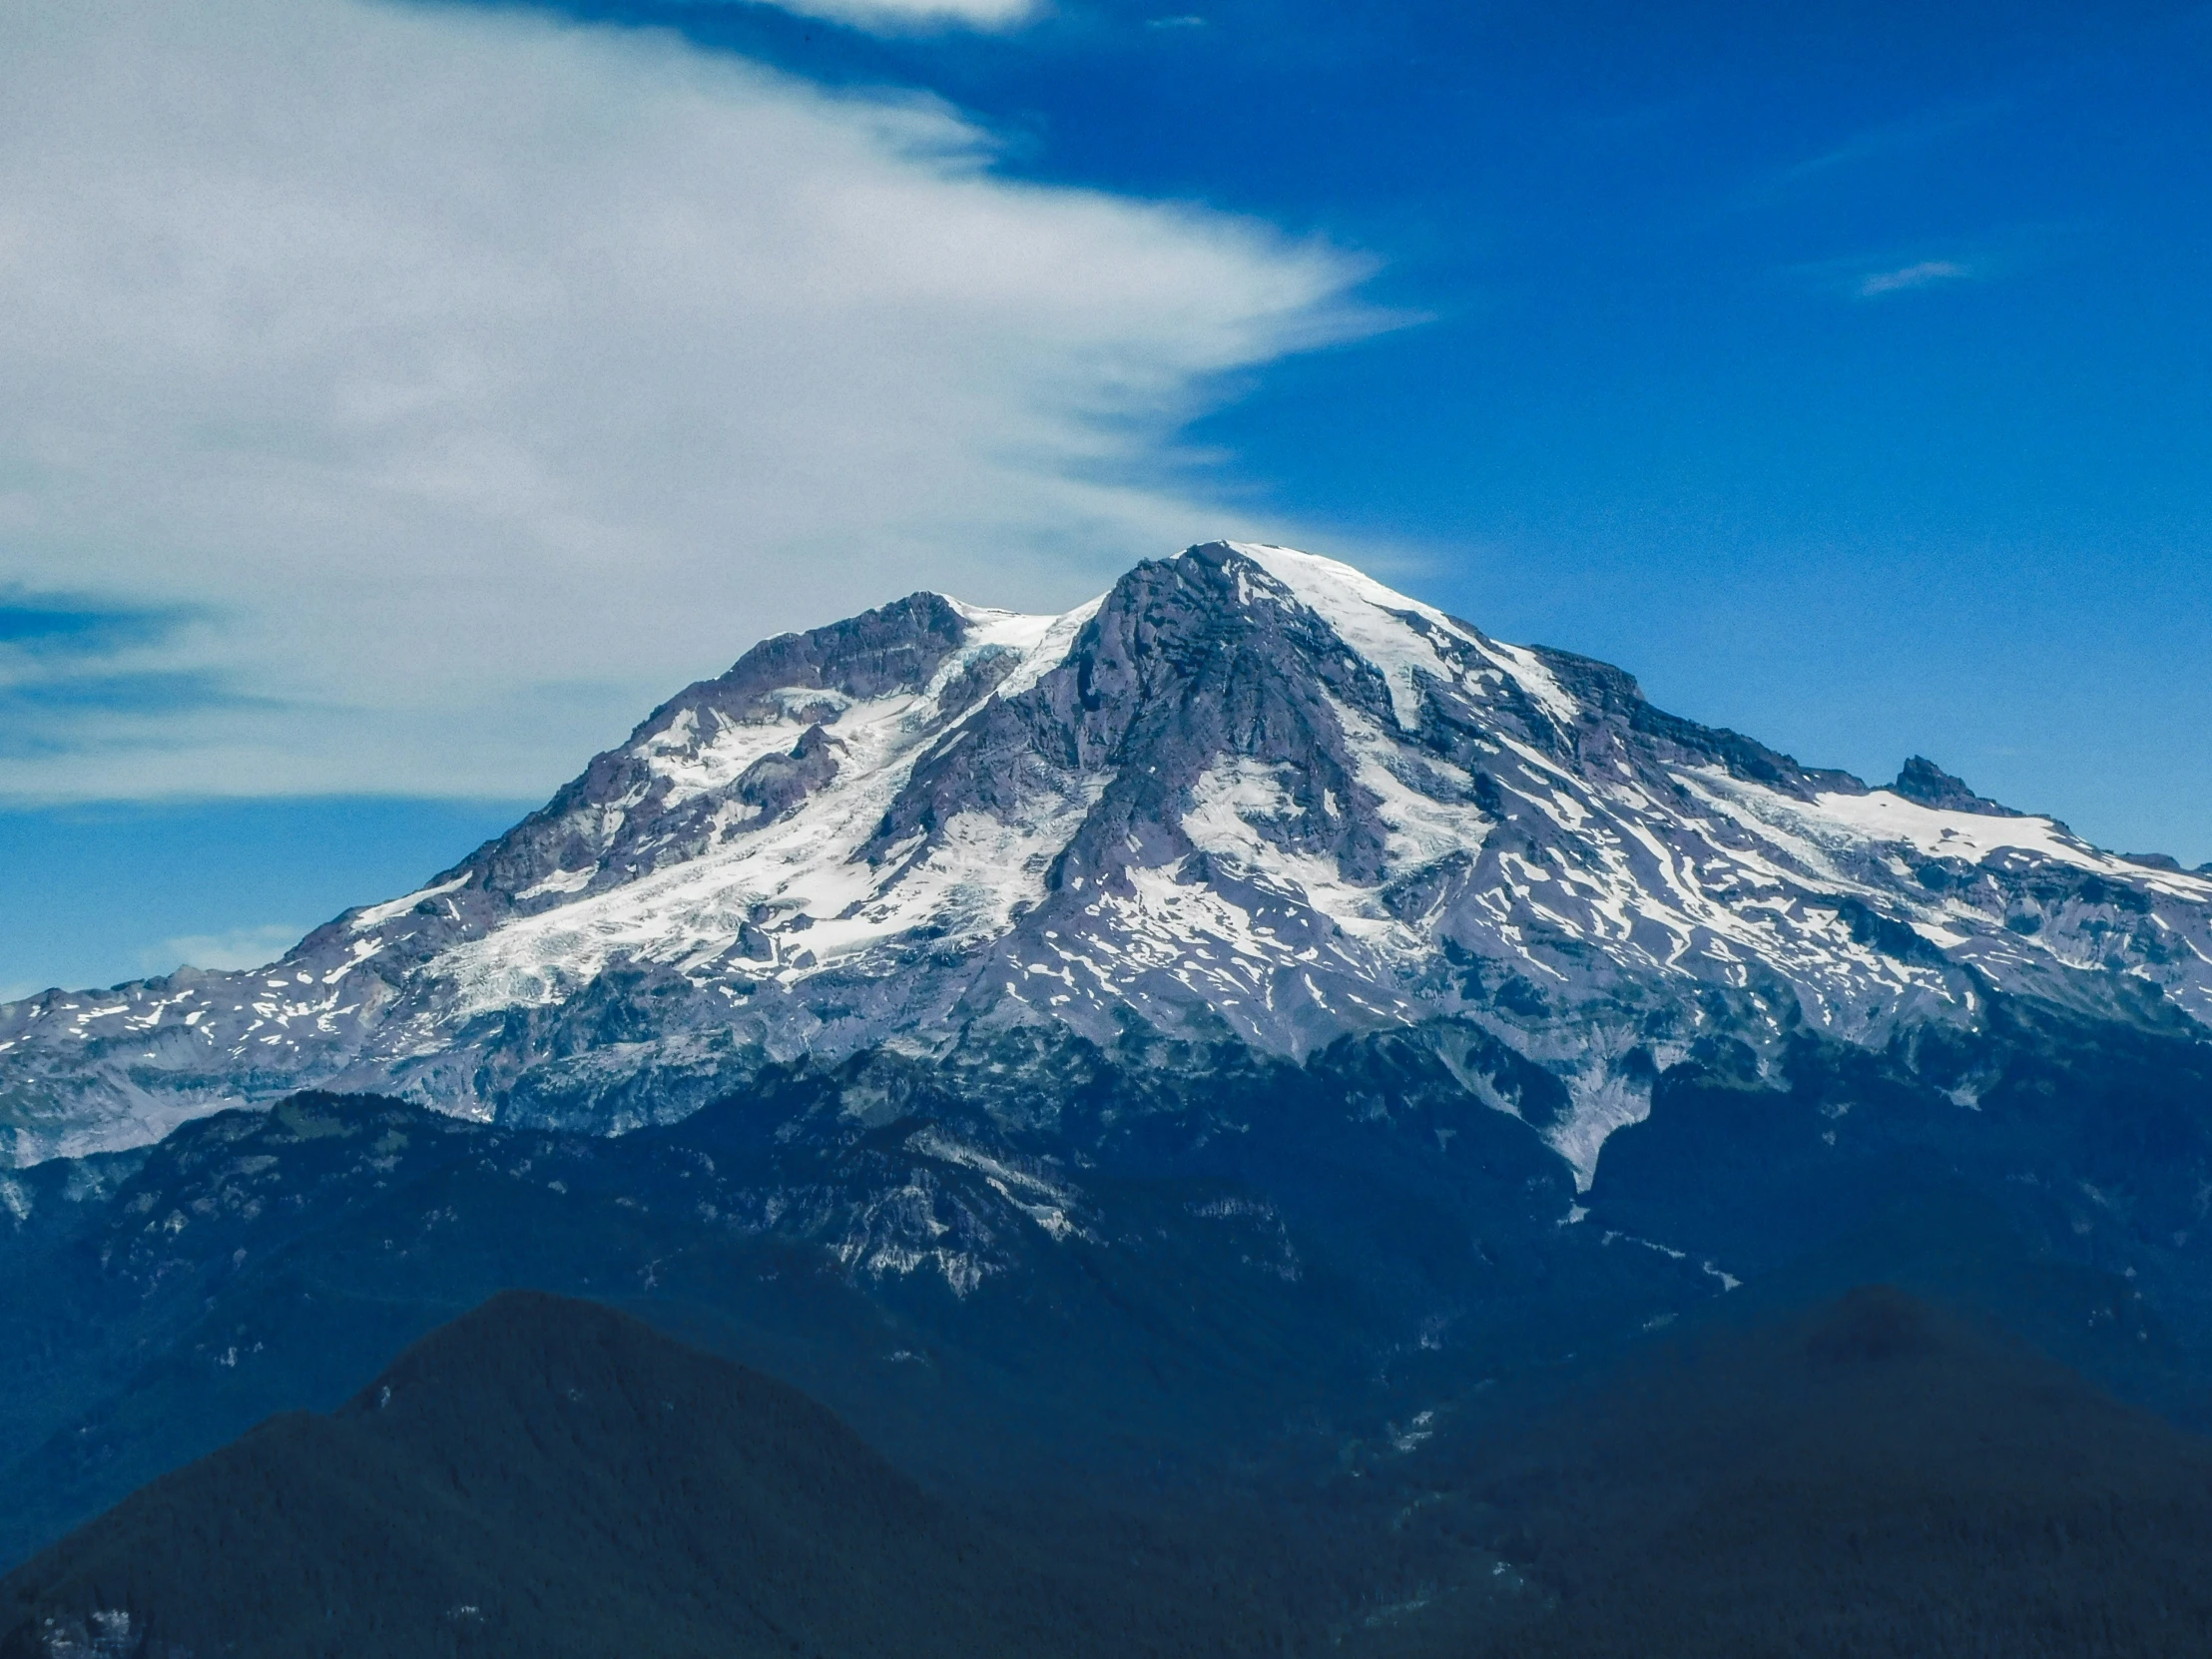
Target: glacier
1248,796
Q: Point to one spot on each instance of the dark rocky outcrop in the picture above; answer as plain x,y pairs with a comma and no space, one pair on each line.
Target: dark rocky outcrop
1921,779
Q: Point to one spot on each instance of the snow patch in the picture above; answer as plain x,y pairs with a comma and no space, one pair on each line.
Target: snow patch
378,915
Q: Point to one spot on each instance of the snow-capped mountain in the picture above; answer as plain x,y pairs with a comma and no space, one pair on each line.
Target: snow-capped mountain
1249,795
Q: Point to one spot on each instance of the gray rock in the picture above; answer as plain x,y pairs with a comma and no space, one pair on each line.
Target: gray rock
1247,798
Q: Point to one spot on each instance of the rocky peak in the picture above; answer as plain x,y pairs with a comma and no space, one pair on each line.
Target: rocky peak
1615,703
1186,662
624,796
1927,783
1248,796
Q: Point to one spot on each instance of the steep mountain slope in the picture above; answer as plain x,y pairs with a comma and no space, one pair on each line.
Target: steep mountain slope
1166,1044
1251,1275
1022,1263
1248,799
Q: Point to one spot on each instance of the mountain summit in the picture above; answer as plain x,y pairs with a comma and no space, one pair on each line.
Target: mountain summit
1234,1024
1247,797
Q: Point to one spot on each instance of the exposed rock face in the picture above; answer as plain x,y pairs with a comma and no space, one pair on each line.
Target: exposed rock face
1924,781
1249,797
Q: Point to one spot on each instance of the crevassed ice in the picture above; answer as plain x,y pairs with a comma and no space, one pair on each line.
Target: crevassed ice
804,866
1369,618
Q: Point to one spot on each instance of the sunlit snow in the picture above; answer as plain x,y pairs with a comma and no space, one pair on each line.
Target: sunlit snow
1606,887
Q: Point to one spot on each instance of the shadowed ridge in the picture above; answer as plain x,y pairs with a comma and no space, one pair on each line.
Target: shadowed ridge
1612,696
1876,1477
547,1476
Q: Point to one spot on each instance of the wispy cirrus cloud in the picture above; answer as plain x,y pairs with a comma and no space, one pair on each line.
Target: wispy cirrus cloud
1871,146
236,947
904,16
1919,274
48,626
70,666
426,391
1895,138
1894,271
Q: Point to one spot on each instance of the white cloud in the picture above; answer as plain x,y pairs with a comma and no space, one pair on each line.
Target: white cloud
238,947
450,385
901,14
1918,276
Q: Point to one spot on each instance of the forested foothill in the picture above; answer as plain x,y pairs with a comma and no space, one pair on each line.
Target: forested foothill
549,1477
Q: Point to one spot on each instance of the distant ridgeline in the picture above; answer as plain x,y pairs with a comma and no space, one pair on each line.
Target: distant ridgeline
549,1478
1252,1035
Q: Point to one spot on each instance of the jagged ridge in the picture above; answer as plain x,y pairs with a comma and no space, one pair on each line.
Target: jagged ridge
1249,795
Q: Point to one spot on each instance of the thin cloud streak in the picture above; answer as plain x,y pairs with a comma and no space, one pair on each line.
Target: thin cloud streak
1869,145
471,380
1907,277
236,947
906,15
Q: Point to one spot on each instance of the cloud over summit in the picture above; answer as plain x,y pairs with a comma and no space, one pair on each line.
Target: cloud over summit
470,380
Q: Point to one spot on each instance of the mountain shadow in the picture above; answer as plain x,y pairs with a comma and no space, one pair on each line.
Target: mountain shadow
551,1478
1874,1478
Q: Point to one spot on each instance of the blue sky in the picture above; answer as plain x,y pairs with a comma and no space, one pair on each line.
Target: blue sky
1838,370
